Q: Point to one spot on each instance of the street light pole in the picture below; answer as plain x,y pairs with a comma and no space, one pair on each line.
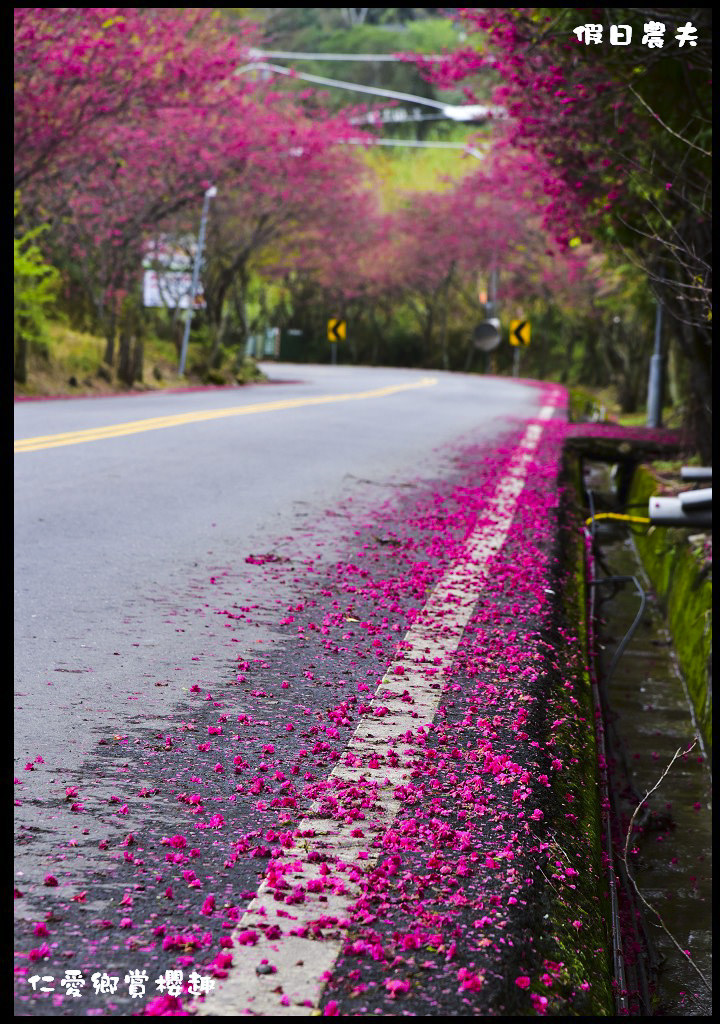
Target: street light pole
491,310
209,194
654,398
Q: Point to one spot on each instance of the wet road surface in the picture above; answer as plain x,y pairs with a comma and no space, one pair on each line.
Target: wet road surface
205,614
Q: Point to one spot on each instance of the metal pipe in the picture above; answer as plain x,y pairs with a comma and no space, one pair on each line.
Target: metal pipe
671,512
696,474
691,501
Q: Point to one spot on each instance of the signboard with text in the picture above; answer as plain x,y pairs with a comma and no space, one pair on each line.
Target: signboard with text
167,273
169,289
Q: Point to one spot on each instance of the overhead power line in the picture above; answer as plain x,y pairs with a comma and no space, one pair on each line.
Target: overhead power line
368,57
416,143
454,112
373,58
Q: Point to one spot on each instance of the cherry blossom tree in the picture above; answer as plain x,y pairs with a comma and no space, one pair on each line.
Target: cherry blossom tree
80,72
299,193
485,225
123,116
623,132
126,115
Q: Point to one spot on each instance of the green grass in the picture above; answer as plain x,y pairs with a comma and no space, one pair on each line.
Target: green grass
681,573
408,169
69,354
76,351
586,401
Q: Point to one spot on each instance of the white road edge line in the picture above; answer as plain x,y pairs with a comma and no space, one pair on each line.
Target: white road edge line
301,961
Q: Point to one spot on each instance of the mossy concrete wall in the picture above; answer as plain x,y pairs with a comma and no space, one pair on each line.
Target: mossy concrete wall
682,579
590,954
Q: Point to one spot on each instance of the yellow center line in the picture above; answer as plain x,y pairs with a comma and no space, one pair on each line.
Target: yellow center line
33,444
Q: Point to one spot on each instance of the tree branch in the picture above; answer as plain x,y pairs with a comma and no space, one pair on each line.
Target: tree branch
667,127
650,907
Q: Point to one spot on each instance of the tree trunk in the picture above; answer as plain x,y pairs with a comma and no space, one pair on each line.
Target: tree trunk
443,332
130,351
444,300
351,340
239,302
470,354
428,332
125,367
215,358
377,338
137,360
567,365
673,375
627,394
698,409
178,329
695,344
110,325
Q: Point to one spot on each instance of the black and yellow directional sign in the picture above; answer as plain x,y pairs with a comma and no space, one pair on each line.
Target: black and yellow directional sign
337,330
520,332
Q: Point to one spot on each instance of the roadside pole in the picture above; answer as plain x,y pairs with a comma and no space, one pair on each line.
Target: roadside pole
486,335
336,331
520,331
516,362
210,194
654,395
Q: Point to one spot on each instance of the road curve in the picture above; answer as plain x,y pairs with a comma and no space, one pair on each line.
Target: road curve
116,537
187,560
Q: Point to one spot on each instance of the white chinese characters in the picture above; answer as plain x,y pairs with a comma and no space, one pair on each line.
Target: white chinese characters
136,981
621,35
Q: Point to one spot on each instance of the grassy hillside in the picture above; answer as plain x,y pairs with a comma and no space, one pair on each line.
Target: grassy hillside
70,362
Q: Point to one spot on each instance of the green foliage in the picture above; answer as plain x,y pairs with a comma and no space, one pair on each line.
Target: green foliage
400,170
581,405
248,371
35,285
683,582
395,327
77,352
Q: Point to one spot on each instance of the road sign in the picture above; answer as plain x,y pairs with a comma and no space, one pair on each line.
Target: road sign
486,335
170,289
337,330
520,333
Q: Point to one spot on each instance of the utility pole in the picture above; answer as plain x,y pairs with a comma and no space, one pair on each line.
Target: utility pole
491,312
210,194
654,394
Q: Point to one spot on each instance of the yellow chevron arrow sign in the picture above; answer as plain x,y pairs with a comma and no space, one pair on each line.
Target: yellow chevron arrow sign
337,330
520,332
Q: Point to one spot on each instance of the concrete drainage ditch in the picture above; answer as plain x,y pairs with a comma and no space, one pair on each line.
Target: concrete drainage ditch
653,744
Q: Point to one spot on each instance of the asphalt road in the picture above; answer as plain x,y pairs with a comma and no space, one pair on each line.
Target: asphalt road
138,550
116,539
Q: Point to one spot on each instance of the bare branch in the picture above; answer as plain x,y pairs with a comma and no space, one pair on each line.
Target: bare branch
650,907
667,127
